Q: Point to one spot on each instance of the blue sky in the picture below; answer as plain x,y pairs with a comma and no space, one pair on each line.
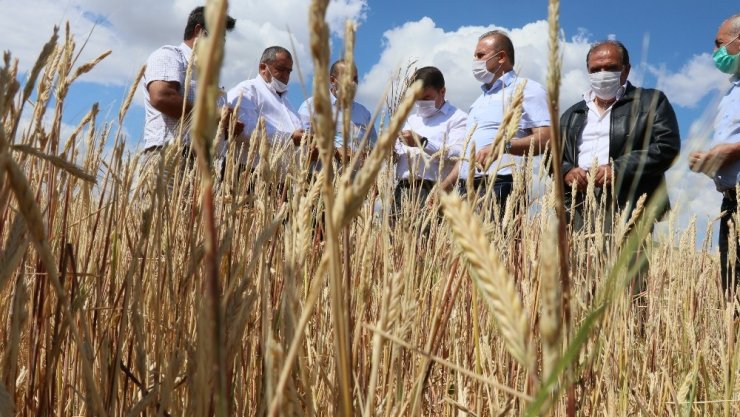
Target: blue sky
678,36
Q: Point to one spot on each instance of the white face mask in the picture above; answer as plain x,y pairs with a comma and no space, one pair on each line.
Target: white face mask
605,84
426,108
481,73
277,85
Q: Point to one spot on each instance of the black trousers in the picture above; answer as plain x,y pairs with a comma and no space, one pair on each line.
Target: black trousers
729,273
502,188
414,190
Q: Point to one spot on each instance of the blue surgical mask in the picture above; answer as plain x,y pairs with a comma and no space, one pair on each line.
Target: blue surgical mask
725,62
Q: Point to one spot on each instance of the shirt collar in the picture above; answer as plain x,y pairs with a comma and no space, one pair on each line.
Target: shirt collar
504,80
446,108
186,50
269,87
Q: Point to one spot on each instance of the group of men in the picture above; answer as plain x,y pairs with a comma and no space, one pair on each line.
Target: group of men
627,136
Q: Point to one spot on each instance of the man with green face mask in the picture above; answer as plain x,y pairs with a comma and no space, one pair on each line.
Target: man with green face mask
722,162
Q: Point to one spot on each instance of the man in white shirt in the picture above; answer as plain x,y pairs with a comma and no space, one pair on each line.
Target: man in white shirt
722,161
265,96
493,67
431,140
360,117
167,105
628,135
164,86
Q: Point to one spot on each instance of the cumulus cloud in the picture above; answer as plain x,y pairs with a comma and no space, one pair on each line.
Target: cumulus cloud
688,86
424,43
133,29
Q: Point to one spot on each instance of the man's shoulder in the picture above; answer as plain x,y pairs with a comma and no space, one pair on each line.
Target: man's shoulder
532,89
579,106
453,112
244,86
643,92
360,108
307,102
166,51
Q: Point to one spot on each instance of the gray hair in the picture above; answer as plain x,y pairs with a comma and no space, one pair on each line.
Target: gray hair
270,54
734,23
503,42
619,45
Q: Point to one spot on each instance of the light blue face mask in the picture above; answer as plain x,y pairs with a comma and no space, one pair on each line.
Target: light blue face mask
725,62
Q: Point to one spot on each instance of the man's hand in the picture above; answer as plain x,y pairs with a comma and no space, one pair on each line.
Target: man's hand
227,115
577,176
409,138
604,176
297,136
714,159
486,156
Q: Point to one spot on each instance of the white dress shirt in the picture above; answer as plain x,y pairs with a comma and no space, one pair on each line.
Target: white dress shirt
593,144
168,63
488,110
445,131
259,99
727,130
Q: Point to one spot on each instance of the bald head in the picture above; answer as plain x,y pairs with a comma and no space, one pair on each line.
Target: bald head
501,42
727,35
733,24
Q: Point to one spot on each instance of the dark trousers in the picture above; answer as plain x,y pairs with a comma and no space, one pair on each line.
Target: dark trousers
415,191
729,277
502,188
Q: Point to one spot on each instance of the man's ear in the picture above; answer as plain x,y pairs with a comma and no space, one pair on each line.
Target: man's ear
625,74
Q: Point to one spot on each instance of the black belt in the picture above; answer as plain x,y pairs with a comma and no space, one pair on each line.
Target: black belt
483,181
415,183
153,148
185,151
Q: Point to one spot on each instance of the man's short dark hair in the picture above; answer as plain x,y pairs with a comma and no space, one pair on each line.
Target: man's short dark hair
197,17
270,54
619,45
334,69
503,42
430,77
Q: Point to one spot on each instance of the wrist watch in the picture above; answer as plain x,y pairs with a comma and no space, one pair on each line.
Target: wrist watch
423,141
507,147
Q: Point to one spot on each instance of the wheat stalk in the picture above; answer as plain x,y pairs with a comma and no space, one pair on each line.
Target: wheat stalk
491,278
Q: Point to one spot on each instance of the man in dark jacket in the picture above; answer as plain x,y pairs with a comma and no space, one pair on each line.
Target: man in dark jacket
627,135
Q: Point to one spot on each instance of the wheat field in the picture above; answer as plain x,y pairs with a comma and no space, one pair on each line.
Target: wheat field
275,292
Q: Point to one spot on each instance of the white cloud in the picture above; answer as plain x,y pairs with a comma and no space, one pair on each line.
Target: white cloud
452,51
133,29
688,86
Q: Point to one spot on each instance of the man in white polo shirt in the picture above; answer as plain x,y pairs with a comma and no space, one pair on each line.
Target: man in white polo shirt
430,142
360,117
167,105
493,67
266,96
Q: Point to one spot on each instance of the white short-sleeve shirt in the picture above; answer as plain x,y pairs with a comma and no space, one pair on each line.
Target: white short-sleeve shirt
168,63
487,112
